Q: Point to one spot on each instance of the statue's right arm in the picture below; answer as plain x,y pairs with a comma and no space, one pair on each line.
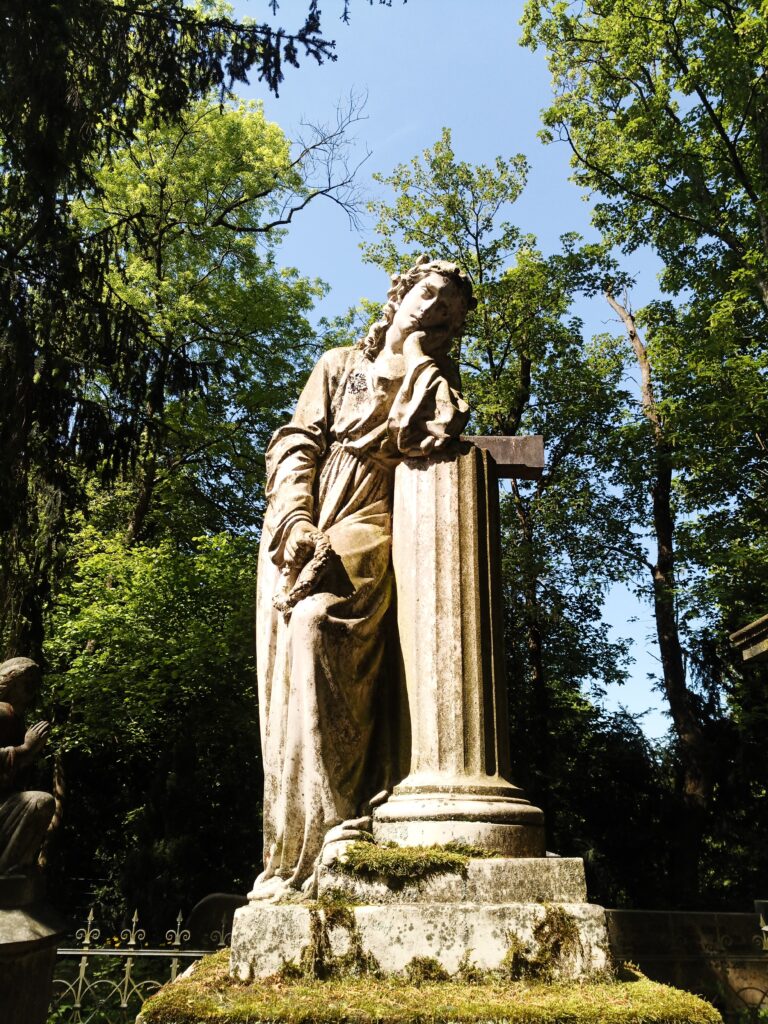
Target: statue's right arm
293,456
34,741
14,757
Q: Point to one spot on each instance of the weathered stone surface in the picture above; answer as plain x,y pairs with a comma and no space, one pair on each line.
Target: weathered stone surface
28,939
264,937
323,635
521,457
449,932
445,541
395,934
497,880
752,640
429,822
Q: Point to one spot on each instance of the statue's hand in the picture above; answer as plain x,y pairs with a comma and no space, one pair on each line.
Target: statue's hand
34,738
435,342
299,546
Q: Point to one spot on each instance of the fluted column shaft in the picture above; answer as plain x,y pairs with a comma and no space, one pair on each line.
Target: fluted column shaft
446,560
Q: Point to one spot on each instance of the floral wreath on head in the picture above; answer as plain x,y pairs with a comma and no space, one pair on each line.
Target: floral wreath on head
373,342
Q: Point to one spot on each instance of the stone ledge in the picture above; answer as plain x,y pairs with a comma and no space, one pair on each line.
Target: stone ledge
495,880
265,937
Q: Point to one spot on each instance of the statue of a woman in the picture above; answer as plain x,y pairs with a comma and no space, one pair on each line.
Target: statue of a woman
24,815
325,582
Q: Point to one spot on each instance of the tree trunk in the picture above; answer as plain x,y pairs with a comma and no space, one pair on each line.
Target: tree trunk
696,780
146,488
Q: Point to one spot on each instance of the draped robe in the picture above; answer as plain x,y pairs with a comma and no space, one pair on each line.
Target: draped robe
319,671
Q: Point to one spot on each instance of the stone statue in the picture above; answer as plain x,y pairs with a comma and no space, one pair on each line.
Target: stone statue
25,815
325,583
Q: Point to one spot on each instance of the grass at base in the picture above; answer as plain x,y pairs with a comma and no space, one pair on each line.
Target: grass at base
210,995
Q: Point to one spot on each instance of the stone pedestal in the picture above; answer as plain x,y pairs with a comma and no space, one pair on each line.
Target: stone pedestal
445,552
532,908
29,934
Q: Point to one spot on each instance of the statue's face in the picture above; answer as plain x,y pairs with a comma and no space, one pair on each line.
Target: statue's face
434,305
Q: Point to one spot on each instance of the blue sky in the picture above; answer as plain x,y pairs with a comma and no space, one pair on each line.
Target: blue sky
424,65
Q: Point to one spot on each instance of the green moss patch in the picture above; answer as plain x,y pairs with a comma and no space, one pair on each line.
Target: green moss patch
402,864
556,938
210,996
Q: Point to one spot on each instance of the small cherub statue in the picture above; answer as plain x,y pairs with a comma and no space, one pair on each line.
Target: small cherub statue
24,815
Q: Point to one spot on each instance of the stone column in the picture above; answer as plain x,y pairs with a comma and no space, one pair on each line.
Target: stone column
447,569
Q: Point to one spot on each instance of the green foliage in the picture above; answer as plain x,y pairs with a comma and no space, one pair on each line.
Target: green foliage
664,110
211,995
80,80
225,341
143,628
149,633
149,628
151,689
425,970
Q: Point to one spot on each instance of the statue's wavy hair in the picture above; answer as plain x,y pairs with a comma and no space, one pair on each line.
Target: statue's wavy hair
373,342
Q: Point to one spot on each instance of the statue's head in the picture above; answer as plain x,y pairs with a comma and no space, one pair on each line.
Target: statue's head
19,682
455,295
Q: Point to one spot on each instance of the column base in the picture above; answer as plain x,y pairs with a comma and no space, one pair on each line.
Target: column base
494,816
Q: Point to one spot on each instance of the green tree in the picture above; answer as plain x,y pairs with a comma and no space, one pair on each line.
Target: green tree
663,108
200,203
79,79
151,688
197,202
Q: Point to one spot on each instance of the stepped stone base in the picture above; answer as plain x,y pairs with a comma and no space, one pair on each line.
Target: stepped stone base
501,880
501,904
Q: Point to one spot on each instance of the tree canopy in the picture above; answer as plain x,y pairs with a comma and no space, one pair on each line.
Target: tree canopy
148,632
81,82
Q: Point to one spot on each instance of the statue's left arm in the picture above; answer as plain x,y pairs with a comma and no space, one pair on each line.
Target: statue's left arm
428,411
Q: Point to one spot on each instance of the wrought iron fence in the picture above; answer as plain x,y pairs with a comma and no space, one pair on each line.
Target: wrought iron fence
723,956
106,981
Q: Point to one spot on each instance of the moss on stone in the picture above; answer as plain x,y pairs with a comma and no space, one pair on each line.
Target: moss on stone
210,996
424,969
316,958
555,942
402,864
514,966
469,972
317,961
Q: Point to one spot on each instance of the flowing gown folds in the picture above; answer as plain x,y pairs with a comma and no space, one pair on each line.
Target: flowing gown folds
333,466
